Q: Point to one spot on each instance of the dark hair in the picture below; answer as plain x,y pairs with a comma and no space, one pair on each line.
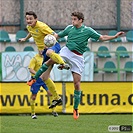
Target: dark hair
31,13
79,15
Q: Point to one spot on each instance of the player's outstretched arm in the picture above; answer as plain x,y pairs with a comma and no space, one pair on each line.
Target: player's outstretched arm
106,37
26,38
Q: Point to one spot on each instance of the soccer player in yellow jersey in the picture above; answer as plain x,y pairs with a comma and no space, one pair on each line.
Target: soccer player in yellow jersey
34,65
38,30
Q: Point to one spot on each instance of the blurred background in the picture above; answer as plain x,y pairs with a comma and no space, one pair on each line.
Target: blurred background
99,14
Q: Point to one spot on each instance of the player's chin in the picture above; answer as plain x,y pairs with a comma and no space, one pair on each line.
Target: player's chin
74,24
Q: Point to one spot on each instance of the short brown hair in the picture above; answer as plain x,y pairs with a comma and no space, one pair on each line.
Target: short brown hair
79,15
31,13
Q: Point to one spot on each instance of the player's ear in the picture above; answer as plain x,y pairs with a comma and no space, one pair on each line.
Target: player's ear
81,20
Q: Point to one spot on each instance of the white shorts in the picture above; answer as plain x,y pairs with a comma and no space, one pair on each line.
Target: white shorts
75,61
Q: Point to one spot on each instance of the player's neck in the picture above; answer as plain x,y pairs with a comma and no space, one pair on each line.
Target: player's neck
78,26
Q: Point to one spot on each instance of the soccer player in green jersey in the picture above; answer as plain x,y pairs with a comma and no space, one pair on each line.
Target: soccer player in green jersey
77,41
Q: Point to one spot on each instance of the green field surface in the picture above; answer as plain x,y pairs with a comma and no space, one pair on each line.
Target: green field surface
87,123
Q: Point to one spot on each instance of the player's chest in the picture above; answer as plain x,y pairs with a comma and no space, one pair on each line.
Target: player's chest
38,64
36,32
76,33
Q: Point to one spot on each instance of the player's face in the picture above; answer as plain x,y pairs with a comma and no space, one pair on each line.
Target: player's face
30,20
76,22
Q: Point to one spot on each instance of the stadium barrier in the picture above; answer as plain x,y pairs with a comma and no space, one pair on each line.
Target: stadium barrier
96,97
15,68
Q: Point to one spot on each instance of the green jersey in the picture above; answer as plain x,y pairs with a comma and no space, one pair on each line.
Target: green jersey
77,38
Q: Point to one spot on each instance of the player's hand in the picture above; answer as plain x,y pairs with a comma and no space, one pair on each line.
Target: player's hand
22,40
119,34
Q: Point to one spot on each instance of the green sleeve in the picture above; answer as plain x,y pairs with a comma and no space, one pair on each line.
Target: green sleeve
65,31
93,34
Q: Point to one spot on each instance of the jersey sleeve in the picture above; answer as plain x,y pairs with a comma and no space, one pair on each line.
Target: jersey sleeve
93,34
65,31
47,30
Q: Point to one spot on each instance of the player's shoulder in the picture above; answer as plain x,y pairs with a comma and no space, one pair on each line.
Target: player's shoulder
87,27
41,24
90,28
27,26
36,58
69,27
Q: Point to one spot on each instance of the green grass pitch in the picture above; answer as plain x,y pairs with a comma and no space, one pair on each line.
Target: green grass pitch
87,123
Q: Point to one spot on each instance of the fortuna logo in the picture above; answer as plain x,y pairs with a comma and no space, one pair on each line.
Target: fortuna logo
36,30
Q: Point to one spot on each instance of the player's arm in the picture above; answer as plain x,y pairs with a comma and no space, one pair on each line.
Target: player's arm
63,32
106,37
32,71
56,36
32,66
26,38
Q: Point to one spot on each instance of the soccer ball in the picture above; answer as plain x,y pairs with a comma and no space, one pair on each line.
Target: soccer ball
49,40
